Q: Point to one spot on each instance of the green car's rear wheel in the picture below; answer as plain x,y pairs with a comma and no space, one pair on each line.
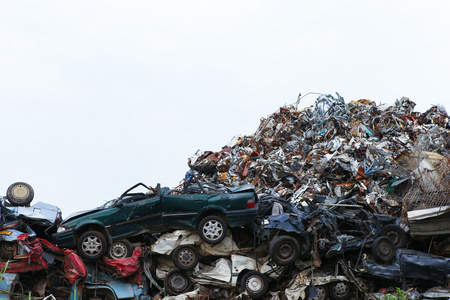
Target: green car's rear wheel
212,229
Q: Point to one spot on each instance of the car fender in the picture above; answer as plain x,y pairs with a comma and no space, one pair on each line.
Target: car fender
210,210
94,225
239,264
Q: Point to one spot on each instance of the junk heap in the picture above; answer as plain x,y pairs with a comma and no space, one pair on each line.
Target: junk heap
353,202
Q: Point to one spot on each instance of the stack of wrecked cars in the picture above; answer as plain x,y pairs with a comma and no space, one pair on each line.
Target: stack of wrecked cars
335,201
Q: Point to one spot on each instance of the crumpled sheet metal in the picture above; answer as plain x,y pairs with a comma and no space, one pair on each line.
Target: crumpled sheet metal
164,266
169,241
127,266
34,260
333,148
286,222
219,272
40,211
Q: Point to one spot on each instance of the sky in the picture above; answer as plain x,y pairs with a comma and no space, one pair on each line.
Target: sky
96,96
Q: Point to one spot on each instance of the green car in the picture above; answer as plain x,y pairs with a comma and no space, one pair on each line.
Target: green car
117,223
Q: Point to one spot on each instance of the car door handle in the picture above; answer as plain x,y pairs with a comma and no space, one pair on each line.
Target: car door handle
198,200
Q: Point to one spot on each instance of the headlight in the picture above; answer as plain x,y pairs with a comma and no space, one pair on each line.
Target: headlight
61,229
266,222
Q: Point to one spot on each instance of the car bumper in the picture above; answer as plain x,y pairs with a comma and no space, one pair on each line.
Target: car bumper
64,239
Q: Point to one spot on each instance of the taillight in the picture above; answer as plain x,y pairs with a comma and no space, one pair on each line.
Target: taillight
251,203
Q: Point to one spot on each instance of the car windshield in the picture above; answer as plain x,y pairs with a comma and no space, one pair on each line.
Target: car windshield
108,204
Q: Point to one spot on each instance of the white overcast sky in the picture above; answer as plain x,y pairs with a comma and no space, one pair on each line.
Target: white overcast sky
99,95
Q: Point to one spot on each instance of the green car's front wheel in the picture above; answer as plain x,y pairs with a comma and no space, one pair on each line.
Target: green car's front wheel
92,245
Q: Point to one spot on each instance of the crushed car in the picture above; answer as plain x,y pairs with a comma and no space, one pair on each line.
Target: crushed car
327,231
183,258
40,219
410,268
112,227
252,276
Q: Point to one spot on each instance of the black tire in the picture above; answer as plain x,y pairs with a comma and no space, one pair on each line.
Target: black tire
396,234
383,249
322,293
255,284
20,194
284,250
185,257
92,245
340,290
176,282
7,249
212,229
120,249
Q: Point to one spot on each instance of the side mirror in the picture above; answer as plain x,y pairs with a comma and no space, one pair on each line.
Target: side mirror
119,203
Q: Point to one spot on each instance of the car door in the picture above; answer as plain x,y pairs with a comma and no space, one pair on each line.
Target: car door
138,216
180,211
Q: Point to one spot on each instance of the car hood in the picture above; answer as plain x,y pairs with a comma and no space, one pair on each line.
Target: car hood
80,213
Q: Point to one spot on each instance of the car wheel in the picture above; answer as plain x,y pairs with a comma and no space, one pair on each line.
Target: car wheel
255,284
340,290
120,249
185,257
7,249
20,194
212,229
396,234
383,249
92,245
176,282
321,290
284,250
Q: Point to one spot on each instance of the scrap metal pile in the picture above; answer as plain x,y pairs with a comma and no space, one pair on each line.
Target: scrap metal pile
335,201
332,149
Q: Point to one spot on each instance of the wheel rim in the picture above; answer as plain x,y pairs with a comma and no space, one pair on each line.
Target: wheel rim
20,192
92,245
341,289
384,248
320,293
213,230
254,284
118,250
186,257
178,283
285,251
